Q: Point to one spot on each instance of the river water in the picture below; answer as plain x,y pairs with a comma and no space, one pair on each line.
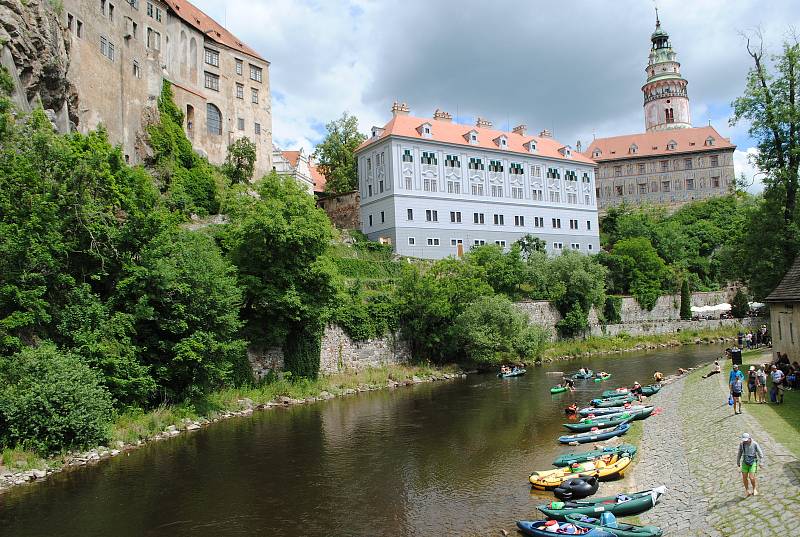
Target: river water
448,458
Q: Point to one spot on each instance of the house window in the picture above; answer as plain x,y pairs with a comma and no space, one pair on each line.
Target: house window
452,161
475,164
555,197
589,247
536,171
153,39
714,161
500,243
411,241
380,187
409,214
370,220
572,198
665,186
407,156
690,184
213,119
664,165
515,168
369,191
478,242
111,12
516,192
477,189
570,175
642,188
212,57
456,242
653,187
106,48
453,187
137,70
239,91
70,22
255,73
495,166
556,223
617,171
240,123
552,173
537,194
455,217
687,164
497,191
431,215
588,225
478,218
519,221
538,221
258,128
618,190
409,182
641,168
587,200
254,95
239,67
558,245
433,242
670,115
573,224
79,29
211,81
498,220
715,182
383,217
430,185
428,158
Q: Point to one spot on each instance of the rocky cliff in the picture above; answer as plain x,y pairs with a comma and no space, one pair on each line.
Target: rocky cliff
35,49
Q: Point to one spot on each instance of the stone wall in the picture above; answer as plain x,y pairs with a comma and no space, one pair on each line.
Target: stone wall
339,353
342,209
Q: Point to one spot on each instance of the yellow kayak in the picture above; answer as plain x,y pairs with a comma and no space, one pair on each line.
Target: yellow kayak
603,468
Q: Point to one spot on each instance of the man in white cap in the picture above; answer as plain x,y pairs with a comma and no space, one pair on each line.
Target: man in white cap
749,456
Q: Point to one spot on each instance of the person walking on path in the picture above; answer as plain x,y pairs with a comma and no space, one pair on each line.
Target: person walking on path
748,458
736,382
777,384
761,385
715,370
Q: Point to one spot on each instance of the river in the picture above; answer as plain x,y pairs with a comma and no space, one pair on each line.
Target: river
447,458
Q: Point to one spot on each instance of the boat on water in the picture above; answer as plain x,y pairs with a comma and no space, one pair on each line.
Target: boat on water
620,505
608,467
636,414
594,436
516,372
571,458
587,374
539,528
602,422
608,410
619,529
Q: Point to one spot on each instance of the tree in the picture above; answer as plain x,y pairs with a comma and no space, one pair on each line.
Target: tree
504,270
740,305
575,278
529,244
638,268
686,301
335,156
240,161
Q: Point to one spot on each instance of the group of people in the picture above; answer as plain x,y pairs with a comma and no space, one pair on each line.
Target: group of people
753,339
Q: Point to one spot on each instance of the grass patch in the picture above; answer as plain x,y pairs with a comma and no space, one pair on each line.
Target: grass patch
20,460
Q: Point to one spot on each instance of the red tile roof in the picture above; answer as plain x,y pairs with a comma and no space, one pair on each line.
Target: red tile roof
453,133
194,17
292,157
654,143
317,177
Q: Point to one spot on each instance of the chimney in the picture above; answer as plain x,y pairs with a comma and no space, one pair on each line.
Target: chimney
399,109
578,147
520,129
546,133
484,123
442,116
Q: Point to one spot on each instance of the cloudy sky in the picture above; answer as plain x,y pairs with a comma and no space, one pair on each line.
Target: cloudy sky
575,67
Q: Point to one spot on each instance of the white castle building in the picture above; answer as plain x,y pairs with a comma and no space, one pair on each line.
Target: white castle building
433,188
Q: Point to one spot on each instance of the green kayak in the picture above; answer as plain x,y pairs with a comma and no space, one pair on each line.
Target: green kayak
602,422
638,413
622,529
558,389
616,401
621,505
651,390
601,379
618,392
569,458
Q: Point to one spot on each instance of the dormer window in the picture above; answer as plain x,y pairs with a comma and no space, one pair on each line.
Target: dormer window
425,130
597,153
531,146
566,151
633,149
710,140
472,137
501,141
671,145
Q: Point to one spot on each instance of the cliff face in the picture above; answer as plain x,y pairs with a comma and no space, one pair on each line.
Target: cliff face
34,48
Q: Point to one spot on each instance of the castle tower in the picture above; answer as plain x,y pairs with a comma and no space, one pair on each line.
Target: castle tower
666,103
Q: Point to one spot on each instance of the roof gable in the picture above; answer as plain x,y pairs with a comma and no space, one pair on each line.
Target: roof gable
657,143
789,288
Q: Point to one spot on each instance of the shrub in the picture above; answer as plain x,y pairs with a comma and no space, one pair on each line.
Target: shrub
574,324
686,301
612,312
52,401
301,352
739,304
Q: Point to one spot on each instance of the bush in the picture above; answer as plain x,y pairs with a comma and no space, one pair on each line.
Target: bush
686,301
52,401
612,312
574,324
301,352
739,305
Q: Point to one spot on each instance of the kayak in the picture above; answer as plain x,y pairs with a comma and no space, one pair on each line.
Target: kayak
621,504
615,392
538,528
651,390
620,529
589,374
600,379
571,458
638,414
594,436
558,389
603,422
614,467
617,401
608,410
513,373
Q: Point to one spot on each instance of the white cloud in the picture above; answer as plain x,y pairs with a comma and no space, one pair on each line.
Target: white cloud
743,164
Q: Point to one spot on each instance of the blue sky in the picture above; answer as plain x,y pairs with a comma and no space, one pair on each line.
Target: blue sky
574,67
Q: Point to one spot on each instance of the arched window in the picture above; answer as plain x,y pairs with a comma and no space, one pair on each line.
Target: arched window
193,60
190,118
213,119
670,115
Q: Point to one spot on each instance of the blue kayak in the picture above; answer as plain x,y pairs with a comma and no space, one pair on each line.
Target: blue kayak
536,528
610,410
582,376
513,373
583,438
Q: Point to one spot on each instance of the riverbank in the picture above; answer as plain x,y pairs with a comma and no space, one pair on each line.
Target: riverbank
132,430
594,346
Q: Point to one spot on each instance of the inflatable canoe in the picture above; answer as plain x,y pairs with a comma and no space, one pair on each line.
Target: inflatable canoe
616,401
651,390
578,375
608,410
603,422
538,528
600,379
621,505
513,373
558,389
571,458
611,468
638,414
615,392
621,529
594,436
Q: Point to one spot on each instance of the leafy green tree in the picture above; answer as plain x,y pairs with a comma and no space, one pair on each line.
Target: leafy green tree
241,161
529,244
184,299
52,401
686,301
576,279
575,322
504,271
740,305
335,156
640,270
492,330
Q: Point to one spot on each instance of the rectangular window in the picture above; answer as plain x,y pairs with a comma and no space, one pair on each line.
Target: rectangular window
240,123
665,186
478,242
137,70
498,220
430,185
428,158
687,164
239,91
111,12
556,223
409,214
456,242
407,156
497,191
538,221
475,164
369,190
690,184
452,161
70,22
495,166
453,187
431,215
641,168
714,160
409,182
455,217
536,171
618,190
575,246
515,168
617,171
500,243
150,9
258,128
519,221
555,197
715,182
79,28
642,188
103,7
433,242
411,241
572,198
516,192
558,245
477,189
211,81
478,218
573,224
239,67
254,95
212,57
383,217
255,73
153,39
537,194
664,165
570,175
553,173
380,187
589,247
588,225
370,220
